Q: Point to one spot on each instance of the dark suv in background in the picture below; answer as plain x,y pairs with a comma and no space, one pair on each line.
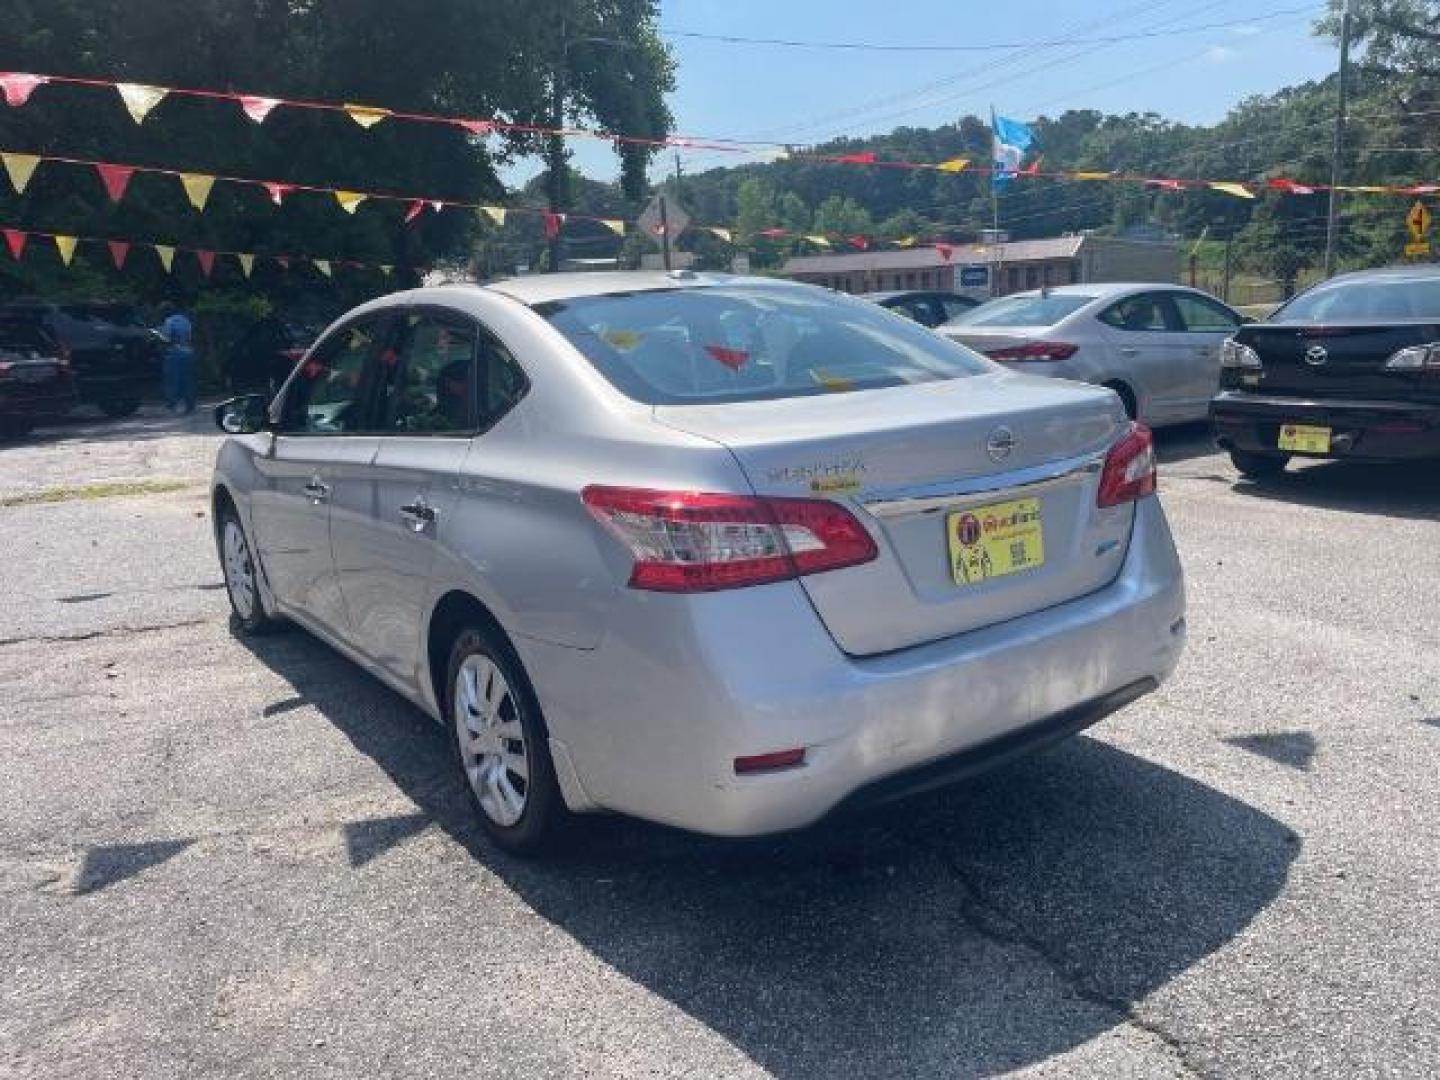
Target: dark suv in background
266,353
113,356
35,381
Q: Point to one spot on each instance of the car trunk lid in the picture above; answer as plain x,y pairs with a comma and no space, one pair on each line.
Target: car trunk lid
1019,457
1338,359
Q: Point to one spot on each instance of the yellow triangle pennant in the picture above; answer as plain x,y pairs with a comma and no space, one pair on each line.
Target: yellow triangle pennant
365,115
906,242
615,225
818,241
323,265
954,165
197,188
66,246
350,200
1240,191
495,214
1090,176
723,234
140,99
21,168
167,256
247,263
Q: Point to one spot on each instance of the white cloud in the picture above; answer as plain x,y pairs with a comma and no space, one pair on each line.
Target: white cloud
1245,30
1221,54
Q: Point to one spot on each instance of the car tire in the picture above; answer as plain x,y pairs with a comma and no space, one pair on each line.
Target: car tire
1127,398
242,578
1255,465
501,745
119,408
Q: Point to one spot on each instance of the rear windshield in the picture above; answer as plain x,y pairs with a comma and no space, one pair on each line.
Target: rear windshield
1022,310
751,343
1378,298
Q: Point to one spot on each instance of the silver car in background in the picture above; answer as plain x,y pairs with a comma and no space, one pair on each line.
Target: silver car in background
1157,346
717,552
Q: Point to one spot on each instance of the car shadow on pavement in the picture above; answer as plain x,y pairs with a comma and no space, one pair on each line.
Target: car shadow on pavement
973,931
1410,490
1182,442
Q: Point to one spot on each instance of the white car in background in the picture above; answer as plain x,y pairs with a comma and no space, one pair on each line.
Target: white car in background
1157,346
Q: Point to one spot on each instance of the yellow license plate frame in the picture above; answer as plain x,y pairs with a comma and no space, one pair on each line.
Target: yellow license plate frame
1304,438
994,541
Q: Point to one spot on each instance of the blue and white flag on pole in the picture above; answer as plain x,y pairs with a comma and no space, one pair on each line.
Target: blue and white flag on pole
1012,139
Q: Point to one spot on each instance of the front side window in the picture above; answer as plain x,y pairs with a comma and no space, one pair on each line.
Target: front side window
1201,315
751,343
327,395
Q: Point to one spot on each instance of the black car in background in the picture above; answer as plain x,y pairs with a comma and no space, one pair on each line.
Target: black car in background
928,307
1347,369
265,354
113,356
35,381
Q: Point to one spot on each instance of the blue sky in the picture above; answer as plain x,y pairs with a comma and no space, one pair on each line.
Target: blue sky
804,95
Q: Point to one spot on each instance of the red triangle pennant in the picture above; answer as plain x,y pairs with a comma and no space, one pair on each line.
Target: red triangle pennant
552,225
476,127
1290,187
773,234
278,191
414,210
867,158
206,259
945,250
119,252
284,261
116,179
15,241
19,86
861,242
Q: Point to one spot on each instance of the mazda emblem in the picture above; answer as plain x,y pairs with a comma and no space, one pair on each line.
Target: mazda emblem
1000,443
1316,355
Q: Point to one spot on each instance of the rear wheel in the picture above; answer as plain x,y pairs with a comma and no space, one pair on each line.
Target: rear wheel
119,408
1254,465
242,583
1127,398
501,743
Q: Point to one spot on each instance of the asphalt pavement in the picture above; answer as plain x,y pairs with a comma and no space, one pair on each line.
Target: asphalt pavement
222,857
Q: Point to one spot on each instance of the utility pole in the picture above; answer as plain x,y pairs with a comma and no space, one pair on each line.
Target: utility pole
1332,223
1225,281
556,181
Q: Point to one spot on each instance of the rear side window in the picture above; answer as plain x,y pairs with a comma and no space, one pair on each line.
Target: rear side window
1147,311
751,343
432,387
1023,310
1376,299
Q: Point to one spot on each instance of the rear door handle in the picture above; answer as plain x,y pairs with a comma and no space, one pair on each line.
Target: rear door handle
317,490
419,514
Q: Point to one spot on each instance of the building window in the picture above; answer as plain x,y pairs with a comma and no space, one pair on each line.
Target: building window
1032,277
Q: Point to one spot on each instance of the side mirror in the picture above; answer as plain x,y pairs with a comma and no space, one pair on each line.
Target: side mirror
242,415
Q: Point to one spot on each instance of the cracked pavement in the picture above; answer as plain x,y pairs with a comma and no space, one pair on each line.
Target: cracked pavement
231,858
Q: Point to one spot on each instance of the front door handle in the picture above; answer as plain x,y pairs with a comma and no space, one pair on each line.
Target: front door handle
419,514
1129,350
317,490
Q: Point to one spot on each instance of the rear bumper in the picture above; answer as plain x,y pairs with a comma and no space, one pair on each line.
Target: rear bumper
1361,430
37,401
652,720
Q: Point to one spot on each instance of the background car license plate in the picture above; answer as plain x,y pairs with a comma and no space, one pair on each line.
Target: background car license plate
992,541
1305,439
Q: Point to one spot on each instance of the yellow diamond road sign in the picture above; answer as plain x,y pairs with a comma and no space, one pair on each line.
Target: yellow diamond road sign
1418,222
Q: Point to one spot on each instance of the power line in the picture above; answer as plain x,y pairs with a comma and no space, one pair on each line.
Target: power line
867,46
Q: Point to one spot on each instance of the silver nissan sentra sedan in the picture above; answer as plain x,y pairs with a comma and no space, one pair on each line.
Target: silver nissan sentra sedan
720,552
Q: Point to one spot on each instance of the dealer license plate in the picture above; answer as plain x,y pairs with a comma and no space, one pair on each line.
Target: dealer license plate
993,541
1304,439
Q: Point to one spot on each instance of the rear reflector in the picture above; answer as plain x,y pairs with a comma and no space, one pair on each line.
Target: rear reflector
1034,350
781,759
691,541
1129,469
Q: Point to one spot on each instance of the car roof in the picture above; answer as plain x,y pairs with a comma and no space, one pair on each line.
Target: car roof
544,288
1383,273
1111,290
896,294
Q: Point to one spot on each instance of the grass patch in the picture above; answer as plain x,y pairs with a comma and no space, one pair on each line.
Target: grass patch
109,489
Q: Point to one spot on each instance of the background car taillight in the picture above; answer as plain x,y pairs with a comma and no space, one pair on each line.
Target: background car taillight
1035,350
64,355
1235,355
1129,472
1416,358
688,541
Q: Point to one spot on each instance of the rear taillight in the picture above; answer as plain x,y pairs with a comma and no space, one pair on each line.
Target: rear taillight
1235,355
1129,472
1416,358
1034,350
690,541
65,356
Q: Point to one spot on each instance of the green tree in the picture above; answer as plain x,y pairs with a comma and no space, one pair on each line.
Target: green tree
842,215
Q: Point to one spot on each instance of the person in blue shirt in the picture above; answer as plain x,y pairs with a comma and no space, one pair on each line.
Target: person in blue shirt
179,360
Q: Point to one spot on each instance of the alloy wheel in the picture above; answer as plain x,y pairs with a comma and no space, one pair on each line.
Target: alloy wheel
493,749
239,570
